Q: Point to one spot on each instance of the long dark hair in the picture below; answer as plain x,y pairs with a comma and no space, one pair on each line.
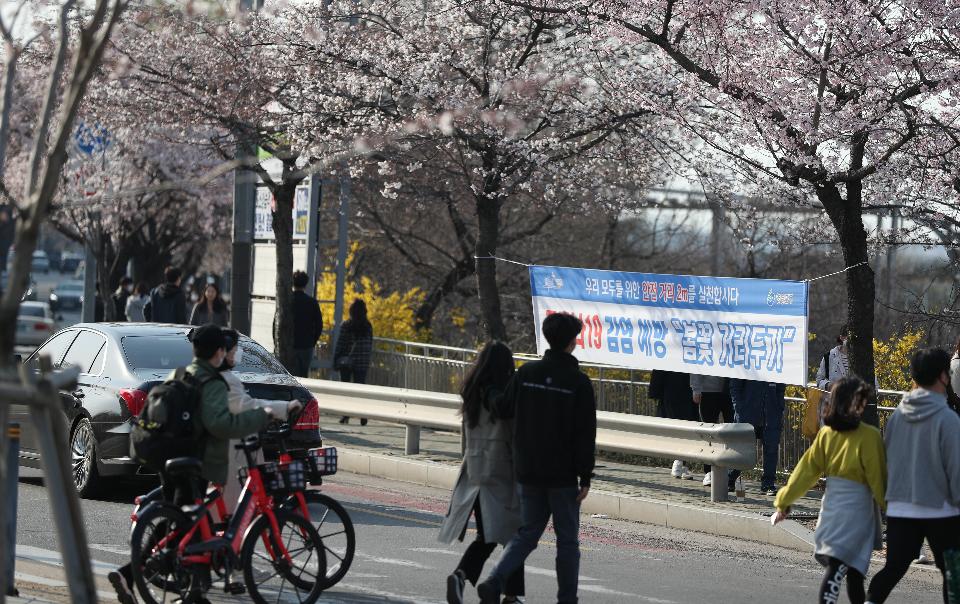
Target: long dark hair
845,396
494,367
219,305
359,323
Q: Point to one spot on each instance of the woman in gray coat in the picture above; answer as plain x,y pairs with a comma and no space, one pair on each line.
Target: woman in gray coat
486,486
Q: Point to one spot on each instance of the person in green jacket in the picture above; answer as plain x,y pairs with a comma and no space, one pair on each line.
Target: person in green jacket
215,423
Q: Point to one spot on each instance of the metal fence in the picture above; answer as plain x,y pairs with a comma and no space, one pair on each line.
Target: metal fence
436,368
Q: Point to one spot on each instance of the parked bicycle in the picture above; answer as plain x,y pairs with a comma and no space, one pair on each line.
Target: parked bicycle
174,550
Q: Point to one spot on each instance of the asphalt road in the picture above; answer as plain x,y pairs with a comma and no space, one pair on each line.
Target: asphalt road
399,559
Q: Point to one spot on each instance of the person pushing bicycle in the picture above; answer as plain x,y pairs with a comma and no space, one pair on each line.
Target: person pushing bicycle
214,426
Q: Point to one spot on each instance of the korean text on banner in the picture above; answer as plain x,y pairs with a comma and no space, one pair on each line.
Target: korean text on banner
742,328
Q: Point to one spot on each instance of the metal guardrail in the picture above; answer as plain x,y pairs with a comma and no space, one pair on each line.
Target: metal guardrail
721,445
439,368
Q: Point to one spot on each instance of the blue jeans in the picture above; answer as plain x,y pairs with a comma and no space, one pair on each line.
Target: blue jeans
537,505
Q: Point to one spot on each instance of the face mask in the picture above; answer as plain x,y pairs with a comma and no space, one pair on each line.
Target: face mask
129,289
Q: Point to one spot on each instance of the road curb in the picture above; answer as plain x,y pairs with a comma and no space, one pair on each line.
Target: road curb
738,525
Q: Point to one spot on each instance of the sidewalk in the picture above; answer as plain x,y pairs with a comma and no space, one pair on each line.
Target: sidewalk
643,482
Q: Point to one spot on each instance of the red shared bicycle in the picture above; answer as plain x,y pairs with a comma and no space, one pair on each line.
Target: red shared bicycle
176,550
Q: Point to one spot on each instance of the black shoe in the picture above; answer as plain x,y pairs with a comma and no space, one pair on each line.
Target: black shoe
344,420
363,422
489,593
770,491
455,585
120,585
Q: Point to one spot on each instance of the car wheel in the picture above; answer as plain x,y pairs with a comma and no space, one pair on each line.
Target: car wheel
83,458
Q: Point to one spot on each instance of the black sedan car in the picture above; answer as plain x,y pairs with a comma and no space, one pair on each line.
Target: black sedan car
120,363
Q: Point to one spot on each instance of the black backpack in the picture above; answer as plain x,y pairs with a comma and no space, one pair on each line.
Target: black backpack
165,427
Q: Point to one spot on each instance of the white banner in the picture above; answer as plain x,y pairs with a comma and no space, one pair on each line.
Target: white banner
742,328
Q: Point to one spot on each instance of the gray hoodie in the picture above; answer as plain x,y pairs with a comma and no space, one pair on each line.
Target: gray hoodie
706,383
923,451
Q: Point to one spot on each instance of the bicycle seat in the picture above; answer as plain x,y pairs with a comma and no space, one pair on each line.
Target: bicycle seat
183,466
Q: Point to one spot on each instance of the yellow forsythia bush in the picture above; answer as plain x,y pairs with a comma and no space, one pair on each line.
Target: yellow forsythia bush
892,359
391,314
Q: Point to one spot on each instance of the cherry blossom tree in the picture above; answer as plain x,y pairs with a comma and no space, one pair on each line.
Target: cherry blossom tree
489,101
227,88
78,40
809,103
126,201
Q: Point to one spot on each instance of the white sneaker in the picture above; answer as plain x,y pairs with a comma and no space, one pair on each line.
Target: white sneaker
708,478
677,470
686,474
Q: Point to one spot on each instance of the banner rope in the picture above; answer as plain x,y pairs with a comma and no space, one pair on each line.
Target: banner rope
838,272
859,264
502,260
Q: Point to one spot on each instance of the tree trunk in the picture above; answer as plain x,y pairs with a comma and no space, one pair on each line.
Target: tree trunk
488,219
283,327
423,318
847,218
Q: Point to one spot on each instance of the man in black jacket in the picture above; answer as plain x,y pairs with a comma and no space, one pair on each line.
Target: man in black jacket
167,303
307,325
555,429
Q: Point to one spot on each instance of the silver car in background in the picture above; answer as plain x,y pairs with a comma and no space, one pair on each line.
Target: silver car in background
35,323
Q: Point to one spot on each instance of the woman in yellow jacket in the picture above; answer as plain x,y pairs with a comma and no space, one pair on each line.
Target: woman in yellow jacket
850,454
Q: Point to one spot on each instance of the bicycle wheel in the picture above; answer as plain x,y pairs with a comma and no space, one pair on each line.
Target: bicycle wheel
283,567
335,528
154,562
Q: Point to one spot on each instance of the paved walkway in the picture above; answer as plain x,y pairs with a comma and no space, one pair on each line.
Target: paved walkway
633,480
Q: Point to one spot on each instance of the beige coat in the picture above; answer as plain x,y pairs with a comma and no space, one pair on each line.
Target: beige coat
239,401
487,476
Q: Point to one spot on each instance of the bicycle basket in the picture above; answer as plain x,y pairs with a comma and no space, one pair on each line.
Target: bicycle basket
281,479
321,462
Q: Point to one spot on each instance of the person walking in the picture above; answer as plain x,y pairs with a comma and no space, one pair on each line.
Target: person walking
761,404
851,455
354,347
238,401
119,298
135,303
214,426
167,303
671,389
555,428
923,473
711,395
834,365
486,485
307,325
211,309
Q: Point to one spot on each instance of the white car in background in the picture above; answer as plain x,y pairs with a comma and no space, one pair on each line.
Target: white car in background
35,323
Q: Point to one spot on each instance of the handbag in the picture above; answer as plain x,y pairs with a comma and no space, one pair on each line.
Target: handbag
811,413
345,362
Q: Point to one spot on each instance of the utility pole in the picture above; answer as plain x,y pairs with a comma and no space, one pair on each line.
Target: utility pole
244,203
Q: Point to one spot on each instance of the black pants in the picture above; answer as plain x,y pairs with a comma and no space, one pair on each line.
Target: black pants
837,571
904,538
356,376
477,554
712,406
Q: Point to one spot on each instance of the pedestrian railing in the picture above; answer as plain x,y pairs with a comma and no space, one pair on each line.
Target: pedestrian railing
40,392
436,368
720,445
